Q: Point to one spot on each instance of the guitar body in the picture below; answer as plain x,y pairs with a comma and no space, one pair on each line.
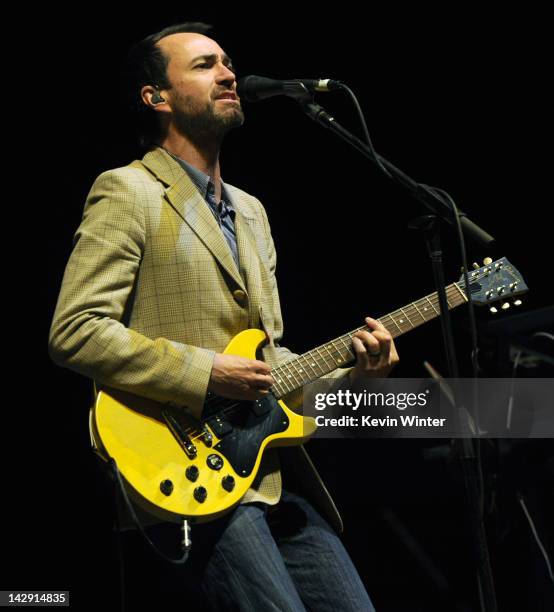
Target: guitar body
176,467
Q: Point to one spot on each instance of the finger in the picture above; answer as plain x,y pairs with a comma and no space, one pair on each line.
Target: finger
384,339
358,346
370,342
374,324
362,357
262,382
260,367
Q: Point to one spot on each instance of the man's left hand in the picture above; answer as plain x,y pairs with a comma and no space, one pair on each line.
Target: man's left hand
375,352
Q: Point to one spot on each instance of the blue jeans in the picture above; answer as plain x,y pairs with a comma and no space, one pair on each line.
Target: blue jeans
283,558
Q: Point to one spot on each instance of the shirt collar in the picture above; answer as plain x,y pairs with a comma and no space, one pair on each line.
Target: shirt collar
203,181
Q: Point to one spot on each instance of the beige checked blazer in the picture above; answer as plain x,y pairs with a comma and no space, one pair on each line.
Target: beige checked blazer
151,292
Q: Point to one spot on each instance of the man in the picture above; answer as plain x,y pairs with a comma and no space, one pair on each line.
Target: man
170,263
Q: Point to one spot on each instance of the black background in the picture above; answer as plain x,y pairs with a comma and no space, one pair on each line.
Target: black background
455,99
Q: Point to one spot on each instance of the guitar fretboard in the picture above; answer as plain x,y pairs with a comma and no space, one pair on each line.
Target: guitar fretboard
323,359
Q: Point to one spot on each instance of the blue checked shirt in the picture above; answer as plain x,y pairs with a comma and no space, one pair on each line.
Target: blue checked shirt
224,213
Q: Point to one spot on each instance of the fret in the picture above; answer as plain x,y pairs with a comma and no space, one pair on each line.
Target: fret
437,303
290,373
396,318
348,352
322,358
347,347
283,381
339,359
392,319
426,308
301,372
312,363
464,297
409,320
418,311
436,311
453,296
315,362
306,360
326,347
276,388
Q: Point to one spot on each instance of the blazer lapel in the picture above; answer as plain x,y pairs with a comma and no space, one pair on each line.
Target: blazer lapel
191,206
246,242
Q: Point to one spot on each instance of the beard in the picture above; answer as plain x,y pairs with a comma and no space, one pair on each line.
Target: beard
206,123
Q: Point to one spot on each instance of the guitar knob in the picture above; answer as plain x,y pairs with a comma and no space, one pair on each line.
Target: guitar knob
518,303
493,309
476,266
192,473
215,462
506,305
228,482
200,494
166,487
487,261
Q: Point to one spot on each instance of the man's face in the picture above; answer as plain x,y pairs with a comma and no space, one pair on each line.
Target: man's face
203,96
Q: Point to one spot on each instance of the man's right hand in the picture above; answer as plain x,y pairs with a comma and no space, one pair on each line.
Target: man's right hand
240,378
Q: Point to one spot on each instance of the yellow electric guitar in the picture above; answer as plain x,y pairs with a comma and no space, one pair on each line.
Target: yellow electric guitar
176,467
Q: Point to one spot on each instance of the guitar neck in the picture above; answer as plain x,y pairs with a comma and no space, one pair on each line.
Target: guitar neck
323,359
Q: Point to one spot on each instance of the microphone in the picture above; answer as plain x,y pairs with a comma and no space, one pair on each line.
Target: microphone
255,88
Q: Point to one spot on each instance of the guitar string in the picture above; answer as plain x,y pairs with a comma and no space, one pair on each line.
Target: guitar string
413,308
451,291
349,335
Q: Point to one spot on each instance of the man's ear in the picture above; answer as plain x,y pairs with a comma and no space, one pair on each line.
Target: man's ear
151,96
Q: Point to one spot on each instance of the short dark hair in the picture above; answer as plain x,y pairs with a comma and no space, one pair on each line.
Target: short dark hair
146,64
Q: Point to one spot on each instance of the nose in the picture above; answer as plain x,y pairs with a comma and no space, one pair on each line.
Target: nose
225,75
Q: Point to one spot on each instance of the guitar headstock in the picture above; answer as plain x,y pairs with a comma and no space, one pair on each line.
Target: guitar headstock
495,281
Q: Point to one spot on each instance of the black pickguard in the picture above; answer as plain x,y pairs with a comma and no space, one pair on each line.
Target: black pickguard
242,426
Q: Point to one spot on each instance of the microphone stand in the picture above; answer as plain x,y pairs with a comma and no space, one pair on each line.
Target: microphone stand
439,208
436,204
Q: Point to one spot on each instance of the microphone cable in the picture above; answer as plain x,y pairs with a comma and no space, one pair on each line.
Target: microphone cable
365,130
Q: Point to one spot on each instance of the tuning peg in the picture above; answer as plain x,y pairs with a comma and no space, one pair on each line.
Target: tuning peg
475,265
493,309
506,305
487,261
518,303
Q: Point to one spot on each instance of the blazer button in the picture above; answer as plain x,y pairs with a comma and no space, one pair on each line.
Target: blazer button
240,296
